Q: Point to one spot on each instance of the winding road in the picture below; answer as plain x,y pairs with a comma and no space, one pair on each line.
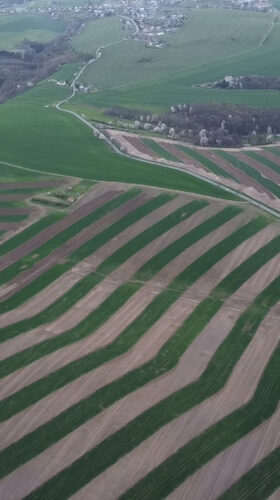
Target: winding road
98,132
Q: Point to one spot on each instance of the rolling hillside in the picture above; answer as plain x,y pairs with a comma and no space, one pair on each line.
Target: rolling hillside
140,349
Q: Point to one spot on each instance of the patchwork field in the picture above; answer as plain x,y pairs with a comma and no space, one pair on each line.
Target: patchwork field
140,349
254,173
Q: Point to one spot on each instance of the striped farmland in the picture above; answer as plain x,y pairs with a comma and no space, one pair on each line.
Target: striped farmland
139,350
254,173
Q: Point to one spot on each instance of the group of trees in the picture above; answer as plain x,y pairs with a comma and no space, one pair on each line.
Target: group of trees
208,124
249,82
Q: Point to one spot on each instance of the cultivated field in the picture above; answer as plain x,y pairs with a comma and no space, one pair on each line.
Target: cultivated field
140,349
254,173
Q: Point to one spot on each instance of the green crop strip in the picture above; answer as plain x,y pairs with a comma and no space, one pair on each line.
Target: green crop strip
200,450
259,483
85,328
157,148
86,284
59,239
29,232
266,161
82,252
192,456
66,422
211,165
12,218
263,181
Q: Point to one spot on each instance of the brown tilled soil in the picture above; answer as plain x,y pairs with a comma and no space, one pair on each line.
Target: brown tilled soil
275,495
94,298
59,287
168,439
260,167
13,197
141,147
171,437
241,177
270,156
184,157
59,255
262,170
56,228
229,466
141,352
9,226
16,210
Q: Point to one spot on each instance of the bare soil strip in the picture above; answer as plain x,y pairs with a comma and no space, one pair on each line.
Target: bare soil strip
270,156
56,228
159,333
13,197
57,289
238,391
184,157
26,277
141,147
241,176
16,210
227,468
91,300
275,495
164,442
112,328
260,167
125,315
10,226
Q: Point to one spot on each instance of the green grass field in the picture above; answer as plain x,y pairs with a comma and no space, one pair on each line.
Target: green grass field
170,75
53,142
15,28
99,32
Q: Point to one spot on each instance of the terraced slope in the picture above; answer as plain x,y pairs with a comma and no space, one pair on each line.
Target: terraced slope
140,333
256,174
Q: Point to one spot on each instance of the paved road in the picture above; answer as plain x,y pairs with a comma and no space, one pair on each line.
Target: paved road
97,131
